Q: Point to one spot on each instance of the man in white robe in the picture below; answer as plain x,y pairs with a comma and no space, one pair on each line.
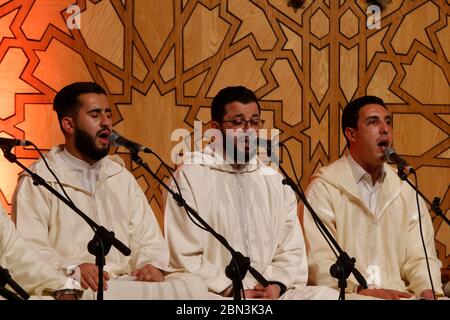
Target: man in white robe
102,188
372,214
25,266
244,200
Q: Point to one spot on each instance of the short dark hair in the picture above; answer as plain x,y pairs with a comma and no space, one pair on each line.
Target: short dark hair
66,101
350,115
230,94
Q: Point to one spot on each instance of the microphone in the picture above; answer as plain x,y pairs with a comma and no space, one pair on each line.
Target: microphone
10,143
117,140
391,156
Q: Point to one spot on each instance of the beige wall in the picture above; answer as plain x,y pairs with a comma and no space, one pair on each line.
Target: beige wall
163,61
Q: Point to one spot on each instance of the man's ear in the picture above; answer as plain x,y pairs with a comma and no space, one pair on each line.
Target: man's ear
350,133
68,125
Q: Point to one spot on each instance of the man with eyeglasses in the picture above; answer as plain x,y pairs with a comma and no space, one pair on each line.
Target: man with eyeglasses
244,200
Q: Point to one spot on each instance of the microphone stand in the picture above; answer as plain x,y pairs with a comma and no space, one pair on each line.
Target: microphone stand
239,264
434,206
8,295
344,265
103,239
5,278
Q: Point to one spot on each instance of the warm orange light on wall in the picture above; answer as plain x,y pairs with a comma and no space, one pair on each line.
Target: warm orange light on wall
33,66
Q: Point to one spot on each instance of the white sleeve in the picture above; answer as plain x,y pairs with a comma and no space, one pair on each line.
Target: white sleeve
146,241
31,210
289,265
24,264
186,240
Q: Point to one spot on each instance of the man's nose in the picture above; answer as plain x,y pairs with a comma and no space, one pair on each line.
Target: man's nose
106,120
247,125
385,128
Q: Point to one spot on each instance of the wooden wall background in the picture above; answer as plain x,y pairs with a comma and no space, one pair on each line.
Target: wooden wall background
162,62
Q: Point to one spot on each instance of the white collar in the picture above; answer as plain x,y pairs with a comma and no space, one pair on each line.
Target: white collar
78,164
359,173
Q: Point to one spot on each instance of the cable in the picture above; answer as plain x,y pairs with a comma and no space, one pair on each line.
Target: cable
67,196
56,178
169,169
52,172
301,190
193,220
422,237
297,180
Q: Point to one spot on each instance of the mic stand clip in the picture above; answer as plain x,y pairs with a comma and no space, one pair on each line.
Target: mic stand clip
236,271
341,270
434,206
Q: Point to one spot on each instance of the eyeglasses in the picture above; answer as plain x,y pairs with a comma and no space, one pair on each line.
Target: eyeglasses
241,123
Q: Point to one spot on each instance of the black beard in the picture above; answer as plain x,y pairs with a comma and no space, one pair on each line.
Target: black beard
85,144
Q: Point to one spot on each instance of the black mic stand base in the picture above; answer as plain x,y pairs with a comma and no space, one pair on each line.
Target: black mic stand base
341,270
236,271
342,286
99,246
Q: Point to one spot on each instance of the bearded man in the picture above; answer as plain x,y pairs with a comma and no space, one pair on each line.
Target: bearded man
101,187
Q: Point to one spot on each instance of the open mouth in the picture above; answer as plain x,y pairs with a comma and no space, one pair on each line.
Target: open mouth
383,144
103,136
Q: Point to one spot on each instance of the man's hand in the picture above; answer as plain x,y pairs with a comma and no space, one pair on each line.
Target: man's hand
385,294
427,294
148,273
89,276
272,291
